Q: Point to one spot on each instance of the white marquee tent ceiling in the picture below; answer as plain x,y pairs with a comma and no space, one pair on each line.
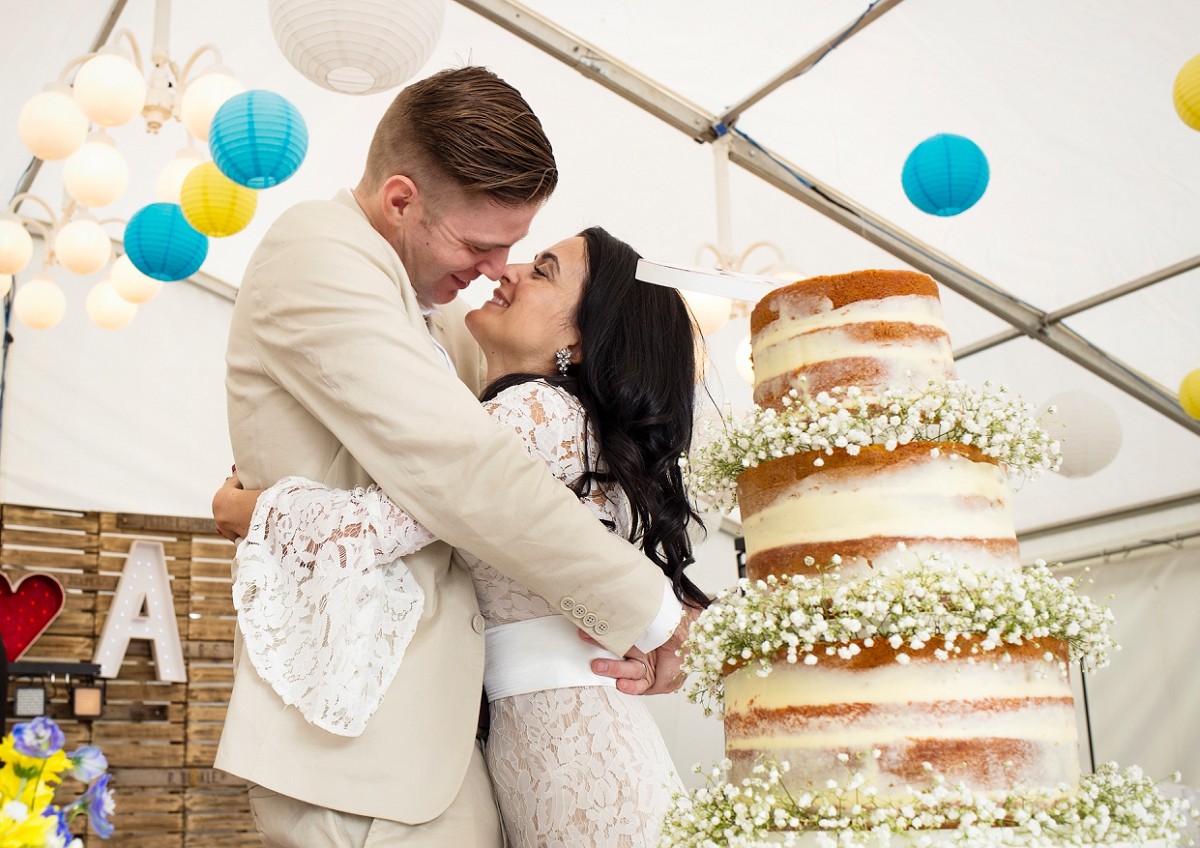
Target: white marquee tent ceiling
1094,184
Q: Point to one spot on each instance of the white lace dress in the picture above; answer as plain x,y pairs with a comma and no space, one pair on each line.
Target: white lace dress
581,766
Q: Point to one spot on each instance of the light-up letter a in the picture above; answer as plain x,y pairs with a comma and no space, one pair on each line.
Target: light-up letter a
142,608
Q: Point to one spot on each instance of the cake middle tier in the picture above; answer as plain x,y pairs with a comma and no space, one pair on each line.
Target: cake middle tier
879,508
992,720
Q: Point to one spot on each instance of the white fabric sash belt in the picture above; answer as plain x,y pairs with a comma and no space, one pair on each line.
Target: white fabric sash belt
539,654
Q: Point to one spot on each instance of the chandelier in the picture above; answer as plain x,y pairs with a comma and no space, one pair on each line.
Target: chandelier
712,312
68,121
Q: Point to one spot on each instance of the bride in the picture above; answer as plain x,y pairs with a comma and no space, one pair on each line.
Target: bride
595,371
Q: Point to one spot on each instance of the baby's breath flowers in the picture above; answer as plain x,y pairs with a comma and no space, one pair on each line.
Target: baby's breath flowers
950,606
1000,425
1112,805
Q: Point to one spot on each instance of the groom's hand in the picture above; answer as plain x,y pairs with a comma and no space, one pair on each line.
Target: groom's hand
657,673
634,674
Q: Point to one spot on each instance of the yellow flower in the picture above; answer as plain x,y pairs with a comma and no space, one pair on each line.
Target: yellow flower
30,780
21,828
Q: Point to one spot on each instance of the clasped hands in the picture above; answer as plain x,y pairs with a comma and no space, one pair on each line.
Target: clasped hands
659,672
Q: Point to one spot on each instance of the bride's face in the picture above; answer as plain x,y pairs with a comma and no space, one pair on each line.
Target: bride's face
531,313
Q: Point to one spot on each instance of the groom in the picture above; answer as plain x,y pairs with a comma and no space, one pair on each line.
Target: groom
348,362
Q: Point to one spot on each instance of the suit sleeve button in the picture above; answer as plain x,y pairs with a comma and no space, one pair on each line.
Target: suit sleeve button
580,611
589,620
567,604
601,628
477,623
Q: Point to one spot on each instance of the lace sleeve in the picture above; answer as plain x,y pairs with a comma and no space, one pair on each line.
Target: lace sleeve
324,601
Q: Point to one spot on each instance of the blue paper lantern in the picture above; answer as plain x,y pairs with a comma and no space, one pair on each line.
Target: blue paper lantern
945,175
258,139
162,244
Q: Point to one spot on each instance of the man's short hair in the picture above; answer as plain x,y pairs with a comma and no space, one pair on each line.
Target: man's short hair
464,128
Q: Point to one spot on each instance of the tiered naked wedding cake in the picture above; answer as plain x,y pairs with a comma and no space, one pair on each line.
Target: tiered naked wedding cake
888,671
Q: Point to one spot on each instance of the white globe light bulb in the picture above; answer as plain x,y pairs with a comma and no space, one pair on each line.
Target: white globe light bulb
39,304
107,309
5,285
743,360
96,174
16,245
131,284
711,312
171,177
204,96
51,124
110,89
82,246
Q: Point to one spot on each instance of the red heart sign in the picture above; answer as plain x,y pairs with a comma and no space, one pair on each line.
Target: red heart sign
27,610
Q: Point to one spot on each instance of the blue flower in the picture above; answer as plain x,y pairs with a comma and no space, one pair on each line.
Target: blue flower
100,806
61,829
38,738
87,763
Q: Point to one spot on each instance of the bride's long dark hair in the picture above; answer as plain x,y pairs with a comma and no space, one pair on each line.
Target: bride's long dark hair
636,381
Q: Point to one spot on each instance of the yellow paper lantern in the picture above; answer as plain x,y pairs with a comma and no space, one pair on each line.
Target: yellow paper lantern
1189,394
214,204
1187,92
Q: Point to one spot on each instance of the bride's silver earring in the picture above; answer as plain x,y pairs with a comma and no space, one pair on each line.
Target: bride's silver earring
563,358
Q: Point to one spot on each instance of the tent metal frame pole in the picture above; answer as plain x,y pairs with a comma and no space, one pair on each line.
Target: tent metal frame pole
702,126
1146,508
879,10
1084,305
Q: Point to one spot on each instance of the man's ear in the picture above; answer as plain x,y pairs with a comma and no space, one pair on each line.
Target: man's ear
398,197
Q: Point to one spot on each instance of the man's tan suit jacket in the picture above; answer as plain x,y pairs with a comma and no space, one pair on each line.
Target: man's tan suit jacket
332,376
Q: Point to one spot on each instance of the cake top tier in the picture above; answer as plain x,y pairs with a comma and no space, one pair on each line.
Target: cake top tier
837,290
870,329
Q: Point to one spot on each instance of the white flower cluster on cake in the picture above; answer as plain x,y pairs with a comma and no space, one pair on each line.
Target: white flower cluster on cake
1000,425
935,602
1112,805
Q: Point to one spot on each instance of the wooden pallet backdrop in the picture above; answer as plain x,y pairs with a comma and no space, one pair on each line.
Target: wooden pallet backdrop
160,738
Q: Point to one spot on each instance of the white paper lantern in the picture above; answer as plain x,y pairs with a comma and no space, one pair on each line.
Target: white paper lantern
5,285
82,246
107,309
357,46
16,245
741,357
51,124
131,284
1089,430
110,89
96,174
711,312
171,177
39,304
203,97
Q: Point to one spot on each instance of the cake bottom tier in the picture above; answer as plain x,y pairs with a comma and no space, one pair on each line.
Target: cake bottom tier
991,720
